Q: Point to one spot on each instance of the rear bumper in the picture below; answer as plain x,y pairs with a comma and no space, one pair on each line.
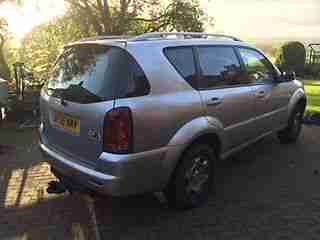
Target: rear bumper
116,175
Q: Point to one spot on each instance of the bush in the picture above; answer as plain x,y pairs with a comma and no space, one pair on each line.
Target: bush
312,70
291,57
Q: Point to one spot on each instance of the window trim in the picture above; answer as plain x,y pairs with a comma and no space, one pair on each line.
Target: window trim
147,83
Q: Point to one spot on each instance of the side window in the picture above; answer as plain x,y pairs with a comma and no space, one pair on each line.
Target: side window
219,67
137,83
183,60
257,66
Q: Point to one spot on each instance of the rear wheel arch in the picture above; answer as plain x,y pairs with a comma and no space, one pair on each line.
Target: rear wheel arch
210,143
211,139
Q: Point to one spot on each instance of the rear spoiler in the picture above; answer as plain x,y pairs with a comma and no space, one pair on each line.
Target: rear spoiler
111,42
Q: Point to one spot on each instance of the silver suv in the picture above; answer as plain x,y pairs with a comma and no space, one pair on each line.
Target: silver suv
157,111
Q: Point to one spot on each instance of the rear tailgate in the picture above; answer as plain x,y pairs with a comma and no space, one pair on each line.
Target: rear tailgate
83,87
80,137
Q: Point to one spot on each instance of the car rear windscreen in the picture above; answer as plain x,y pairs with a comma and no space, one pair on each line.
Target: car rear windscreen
93,73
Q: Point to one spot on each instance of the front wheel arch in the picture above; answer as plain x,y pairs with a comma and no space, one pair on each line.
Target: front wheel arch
291,133
298,98
302,103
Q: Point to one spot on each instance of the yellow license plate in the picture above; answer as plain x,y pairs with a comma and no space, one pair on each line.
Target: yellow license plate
67,123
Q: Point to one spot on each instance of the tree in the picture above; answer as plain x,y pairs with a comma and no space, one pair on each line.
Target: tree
179,15
136,16
4,69
292,57
43,44
84,18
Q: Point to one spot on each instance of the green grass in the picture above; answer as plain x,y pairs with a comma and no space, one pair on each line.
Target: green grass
313,94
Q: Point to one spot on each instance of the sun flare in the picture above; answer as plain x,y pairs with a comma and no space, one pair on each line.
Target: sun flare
21,19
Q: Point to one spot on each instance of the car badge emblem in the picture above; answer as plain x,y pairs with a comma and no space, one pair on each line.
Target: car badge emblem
94,135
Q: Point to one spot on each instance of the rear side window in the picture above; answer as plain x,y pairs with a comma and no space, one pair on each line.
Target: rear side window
219,66
93,73
182,59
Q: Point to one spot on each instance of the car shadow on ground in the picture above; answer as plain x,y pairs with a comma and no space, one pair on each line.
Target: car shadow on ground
56,218
254,194
26,210
244,198
140,217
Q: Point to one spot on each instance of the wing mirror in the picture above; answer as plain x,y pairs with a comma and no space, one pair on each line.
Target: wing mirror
288,76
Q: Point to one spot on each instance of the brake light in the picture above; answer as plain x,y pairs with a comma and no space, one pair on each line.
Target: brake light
117,131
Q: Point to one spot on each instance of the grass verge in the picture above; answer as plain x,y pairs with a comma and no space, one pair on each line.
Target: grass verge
313,95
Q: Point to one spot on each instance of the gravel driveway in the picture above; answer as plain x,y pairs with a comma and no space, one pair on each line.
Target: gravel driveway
269,191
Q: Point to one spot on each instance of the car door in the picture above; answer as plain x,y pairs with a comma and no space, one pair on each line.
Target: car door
271,95
224,93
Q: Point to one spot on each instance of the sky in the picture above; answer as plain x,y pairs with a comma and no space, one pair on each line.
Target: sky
266,18
243,18
22,19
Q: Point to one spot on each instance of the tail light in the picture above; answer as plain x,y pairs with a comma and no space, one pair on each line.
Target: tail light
118,131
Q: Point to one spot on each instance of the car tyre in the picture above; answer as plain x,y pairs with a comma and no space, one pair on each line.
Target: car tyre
1,118
292,132
193,178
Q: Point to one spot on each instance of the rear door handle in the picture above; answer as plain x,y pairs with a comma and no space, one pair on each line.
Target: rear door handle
214,101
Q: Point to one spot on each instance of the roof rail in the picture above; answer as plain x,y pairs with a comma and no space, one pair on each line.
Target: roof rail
178,35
